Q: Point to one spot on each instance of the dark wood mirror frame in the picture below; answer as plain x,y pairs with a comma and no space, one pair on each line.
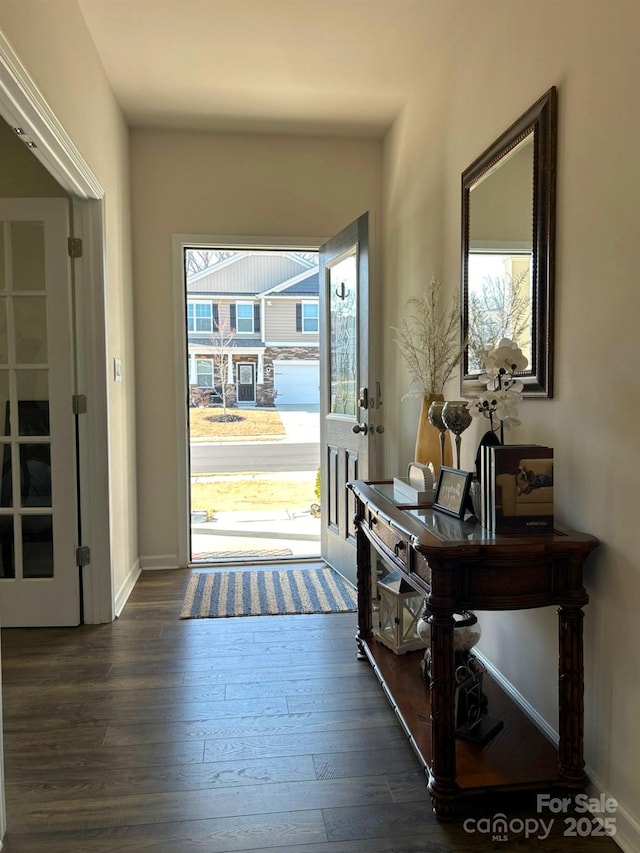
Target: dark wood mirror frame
541,121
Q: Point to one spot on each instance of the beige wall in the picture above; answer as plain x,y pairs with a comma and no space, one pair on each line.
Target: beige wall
592,421
21,175
199,183
52,41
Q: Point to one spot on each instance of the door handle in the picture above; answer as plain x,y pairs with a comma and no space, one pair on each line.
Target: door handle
363,428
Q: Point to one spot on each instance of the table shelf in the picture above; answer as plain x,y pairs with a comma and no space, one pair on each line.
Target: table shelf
518,757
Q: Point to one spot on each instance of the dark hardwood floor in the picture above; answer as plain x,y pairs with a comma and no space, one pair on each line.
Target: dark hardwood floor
213,735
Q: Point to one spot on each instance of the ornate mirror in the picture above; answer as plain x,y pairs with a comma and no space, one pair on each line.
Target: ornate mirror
508,225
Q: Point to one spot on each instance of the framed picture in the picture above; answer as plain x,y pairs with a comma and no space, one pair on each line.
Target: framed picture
452,490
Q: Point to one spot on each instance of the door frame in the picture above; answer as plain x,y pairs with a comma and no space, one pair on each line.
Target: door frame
180,242
23,105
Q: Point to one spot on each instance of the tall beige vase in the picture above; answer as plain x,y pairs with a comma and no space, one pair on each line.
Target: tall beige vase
428,437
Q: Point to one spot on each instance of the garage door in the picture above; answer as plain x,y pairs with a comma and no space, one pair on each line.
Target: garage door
297,382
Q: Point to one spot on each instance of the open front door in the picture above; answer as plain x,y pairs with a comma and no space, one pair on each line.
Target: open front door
347,403
39,581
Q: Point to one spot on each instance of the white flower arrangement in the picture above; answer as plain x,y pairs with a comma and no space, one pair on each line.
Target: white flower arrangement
504,391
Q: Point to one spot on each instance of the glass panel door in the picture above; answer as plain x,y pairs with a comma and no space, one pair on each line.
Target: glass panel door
26,529
38,510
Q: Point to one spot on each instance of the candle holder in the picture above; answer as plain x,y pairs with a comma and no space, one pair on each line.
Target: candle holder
456,417
436,421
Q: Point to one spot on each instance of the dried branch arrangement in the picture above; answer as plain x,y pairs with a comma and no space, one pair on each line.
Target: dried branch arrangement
429,339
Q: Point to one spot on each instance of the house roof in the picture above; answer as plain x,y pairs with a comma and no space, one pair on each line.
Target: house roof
237,341
249,273
307,284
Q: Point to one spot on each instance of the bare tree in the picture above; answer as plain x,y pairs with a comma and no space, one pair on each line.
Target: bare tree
222,341
500,309
196,260
308,256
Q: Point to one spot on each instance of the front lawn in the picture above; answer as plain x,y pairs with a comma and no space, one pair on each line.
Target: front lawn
207,423
262,492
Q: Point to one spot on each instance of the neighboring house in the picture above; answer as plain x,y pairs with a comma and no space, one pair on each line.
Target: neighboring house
253,318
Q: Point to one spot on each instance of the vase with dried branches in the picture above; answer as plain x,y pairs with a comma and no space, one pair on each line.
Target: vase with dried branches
429,341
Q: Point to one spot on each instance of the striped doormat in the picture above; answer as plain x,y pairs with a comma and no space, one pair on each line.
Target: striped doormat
267,593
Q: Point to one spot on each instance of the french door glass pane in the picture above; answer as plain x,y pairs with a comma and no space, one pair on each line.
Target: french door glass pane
33,402
343,314
6,485
30,319
37,546
4,346
5,426
7,550
27,255
35,475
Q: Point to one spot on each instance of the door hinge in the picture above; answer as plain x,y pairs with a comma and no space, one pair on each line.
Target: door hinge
79,404
75,247
83,556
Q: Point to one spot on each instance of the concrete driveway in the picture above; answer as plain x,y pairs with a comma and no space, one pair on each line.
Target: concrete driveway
301,422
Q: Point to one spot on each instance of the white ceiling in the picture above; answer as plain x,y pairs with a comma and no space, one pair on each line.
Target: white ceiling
284,66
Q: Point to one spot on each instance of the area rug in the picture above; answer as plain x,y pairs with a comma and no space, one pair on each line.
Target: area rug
267,593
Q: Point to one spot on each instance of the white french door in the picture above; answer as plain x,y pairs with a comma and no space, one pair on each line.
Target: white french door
39,578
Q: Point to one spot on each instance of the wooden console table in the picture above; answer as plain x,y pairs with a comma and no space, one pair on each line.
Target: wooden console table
458,565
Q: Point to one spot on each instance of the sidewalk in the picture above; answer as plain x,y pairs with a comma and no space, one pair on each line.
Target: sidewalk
297,532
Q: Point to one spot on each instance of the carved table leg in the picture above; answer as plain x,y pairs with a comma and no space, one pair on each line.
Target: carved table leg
442,785
571,698
363,562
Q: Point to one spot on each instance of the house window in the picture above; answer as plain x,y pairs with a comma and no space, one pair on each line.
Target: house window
309,316
204,372
244,317
199,317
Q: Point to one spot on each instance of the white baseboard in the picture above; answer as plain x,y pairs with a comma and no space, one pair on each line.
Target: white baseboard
159,562
525,706
122,595
627,835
